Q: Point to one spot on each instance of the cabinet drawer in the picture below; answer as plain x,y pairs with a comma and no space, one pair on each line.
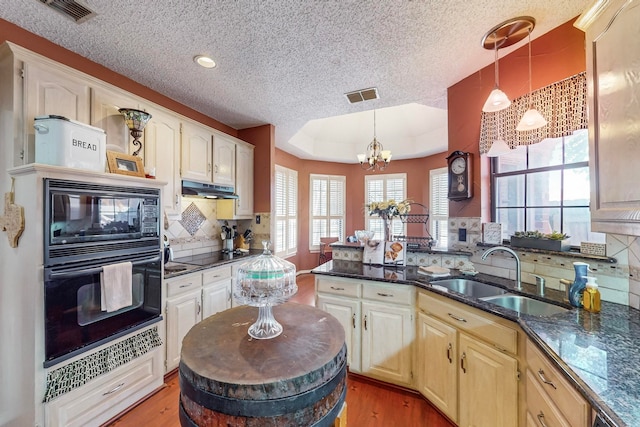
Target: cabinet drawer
215,274
106,396
397,294
540,410
338,287
573,407
183,284
471,320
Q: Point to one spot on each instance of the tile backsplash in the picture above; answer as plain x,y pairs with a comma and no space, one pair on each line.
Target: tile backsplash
197,230
618,282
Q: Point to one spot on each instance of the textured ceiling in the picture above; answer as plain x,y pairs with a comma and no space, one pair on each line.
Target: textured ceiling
290,62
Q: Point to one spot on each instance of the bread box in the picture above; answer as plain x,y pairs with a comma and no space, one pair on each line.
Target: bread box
64,142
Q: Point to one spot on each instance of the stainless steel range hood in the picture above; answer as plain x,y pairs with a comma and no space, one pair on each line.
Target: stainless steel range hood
207,191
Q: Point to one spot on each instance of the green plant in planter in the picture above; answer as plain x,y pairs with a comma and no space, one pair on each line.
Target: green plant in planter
555,235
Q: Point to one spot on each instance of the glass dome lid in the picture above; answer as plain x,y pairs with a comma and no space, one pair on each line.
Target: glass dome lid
264,282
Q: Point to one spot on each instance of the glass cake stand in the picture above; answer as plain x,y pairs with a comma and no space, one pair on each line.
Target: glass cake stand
264,282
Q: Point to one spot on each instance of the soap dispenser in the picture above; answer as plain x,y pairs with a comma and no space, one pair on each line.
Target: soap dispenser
591,296
577,287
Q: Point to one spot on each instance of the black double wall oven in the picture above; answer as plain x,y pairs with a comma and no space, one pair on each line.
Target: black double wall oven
88,226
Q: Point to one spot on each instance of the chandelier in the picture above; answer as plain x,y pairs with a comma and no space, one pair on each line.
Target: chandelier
376,156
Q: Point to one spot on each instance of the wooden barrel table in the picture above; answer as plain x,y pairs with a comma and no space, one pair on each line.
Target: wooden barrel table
228,378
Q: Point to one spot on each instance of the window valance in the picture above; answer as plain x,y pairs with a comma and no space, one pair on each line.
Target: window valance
563,104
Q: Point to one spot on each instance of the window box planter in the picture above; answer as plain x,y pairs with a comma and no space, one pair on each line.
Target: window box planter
544,244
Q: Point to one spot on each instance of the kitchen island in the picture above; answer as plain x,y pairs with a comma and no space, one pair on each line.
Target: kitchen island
596,353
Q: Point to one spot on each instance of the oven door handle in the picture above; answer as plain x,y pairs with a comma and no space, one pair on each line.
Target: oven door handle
82,271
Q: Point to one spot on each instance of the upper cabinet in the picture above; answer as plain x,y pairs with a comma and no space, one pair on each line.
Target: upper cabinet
162,153
197,152
104,115
224,160
242,207
613,83
49,92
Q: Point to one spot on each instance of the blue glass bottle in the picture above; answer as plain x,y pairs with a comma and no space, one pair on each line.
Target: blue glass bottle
579,283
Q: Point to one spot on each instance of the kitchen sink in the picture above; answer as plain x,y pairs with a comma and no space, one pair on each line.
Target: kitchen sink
469,287
525,305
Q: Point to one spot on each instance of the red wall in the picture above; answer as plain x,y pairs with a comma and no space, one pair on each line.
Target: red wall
556,55
417,171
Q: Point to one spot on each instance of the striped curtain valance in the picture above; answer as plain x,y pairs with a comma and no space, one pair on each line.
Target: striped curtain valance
563,104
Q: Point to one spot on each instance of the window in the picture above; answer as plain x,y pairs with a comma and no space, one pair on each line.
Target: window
545,187
439,207
378,188
327,208
286,232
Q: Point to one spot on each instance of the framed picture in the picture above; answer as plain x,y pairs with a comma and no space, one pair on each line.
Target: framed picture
125,164
394,253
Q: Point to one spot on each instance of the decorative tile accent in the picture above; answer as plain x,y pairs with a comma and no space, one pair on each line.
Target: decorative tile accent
192,219
80,372
593,248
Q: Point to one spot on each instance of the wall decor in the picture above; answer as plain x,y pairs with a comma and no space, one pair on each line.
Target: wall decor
125,164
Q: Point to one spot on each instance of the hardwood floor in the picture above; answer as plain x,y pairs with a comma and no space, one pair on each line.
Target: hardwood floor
369,403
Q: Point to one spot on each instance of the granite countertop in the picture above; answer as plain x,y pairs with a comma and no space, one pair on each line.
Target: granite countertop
357,245
192,264
598,353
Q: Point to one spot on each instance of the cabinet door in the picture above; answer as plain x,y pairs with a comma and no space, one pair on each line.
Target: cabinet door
51,92
488,385
244,181
216,298
104,115
196,153
387,333
347,311
162,153
224,161
614,88
183,312
437,368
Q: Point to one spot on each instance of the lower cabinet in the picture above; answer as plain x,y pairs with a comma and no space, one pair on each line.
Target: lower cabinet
378,322
190,299
106,396
467,363
551,400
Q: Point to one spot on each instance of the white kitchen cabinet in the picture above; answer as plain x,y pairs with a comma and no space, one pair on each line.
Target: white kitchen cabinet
197,154
216,291
613,85
347,311
224,160
436,364
378,322
387,334
107,395
488,385
483,351
242,207
52,92
550,398
183,311
162,154
104,115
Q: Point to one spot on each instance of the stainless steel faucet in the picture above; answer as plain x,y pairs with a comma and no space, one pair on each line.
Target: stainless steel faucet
515,255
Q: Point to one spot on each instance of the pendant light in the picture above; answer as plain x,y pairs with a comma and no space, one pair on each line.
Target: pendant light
497,99
532,119
499,146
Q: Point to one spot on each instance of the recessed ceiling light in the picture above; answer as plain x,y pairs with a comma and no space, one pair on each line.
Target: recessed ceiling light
204,61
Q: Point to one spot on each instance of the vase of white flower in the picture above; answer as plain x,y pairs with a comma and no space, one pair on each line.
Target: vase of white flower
388,210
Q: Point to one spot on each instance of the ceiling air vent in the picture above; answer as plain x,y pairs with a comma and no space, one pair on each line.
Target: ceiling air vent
362,95
71,9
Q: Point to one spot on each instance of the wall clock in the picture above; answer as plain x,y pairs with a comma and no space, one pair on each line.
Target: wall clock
460,177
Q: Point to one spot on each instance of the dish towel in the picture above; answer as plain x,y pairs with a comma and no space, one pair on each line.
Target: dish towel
115,286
